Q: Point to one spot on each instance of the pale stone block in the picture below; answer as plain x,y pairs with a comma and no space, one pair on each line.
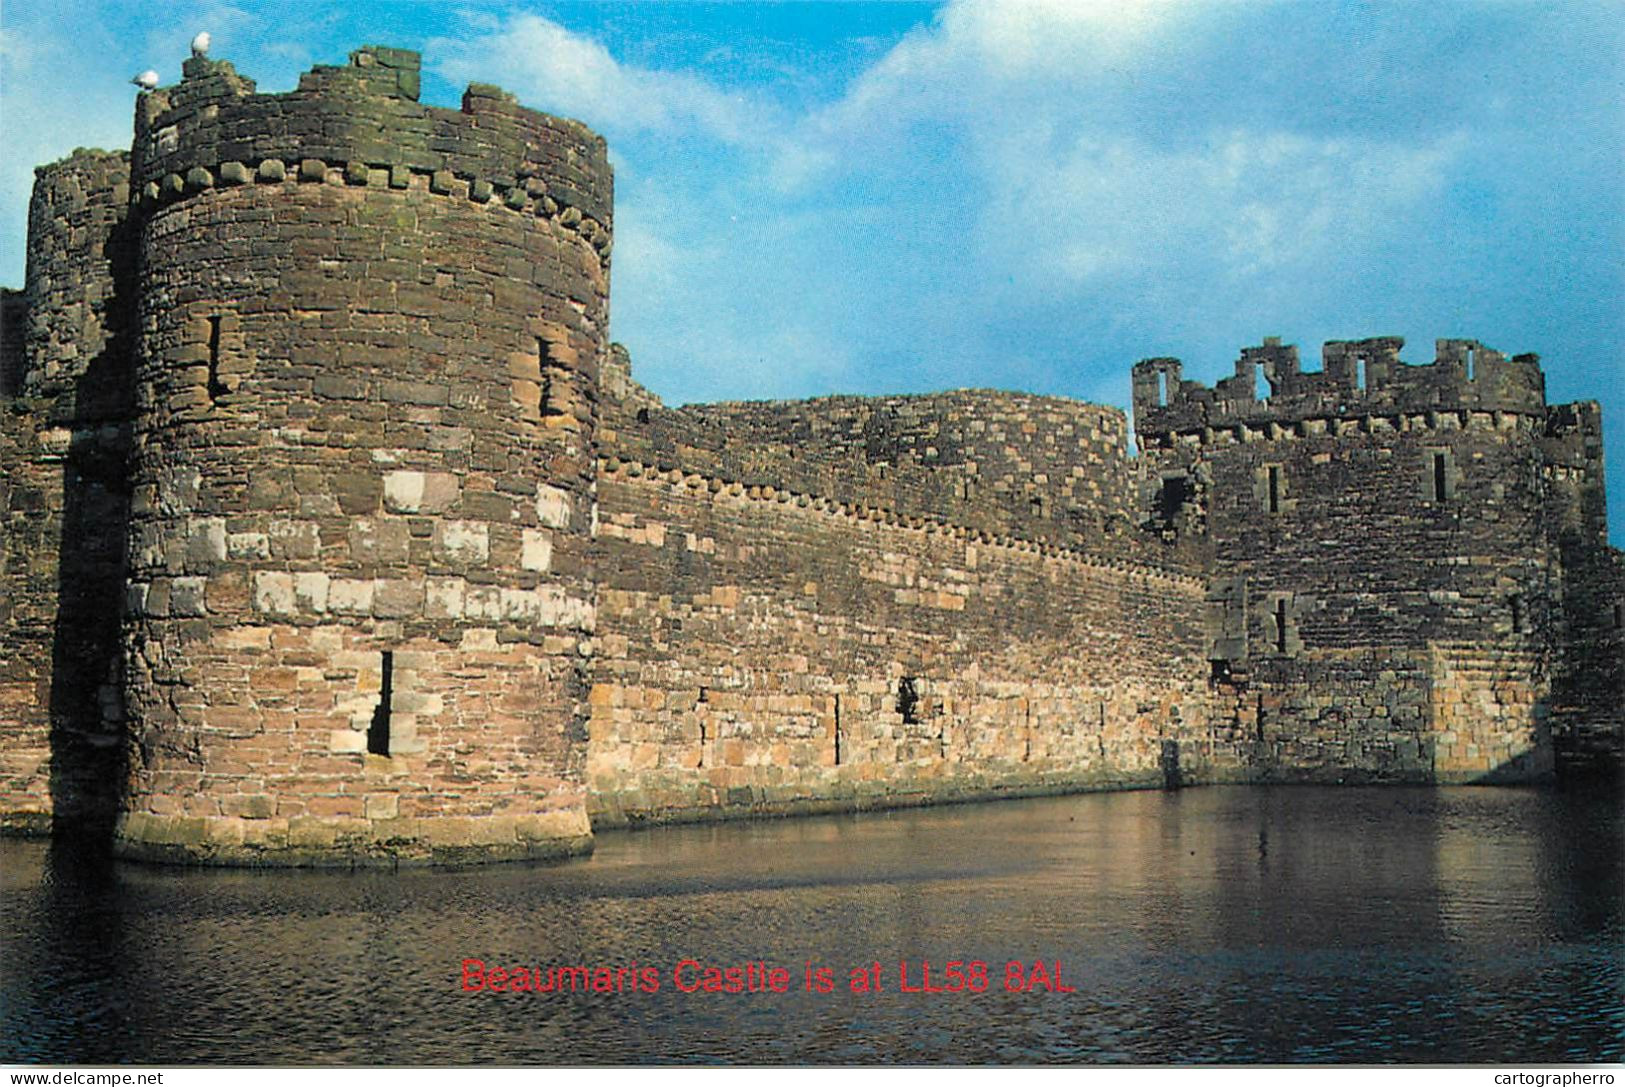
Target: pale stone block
273,593
408,491
348,596
403,735
208,540
296,539
520,605
310,592
347,742
463,542
403,491
248,545
536,551
444,597
553,507
415,702
483,602
383,806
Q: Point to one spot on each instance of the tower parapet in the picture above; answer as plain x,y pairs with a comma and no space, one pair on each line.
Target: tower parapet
1358,378
361,125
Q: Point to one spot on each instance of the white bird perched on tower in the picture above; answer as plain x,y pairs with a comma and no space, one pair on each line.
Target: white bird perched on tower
146,80
200,45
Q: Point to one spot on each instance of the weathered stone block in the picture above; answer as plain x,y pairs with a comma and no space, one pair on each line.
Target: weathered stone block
248,545
462,543
350,596
553,506
310,592
397,598
420,492
186,596
273,593
443,597
536,550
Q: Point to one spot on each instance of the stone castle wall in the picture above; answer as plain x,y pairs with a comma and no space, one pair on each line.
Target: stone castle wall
336,532
763,649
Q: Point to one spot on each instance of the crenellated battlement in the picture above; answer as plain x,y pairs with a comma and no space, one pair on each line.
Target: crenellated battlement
361,125
1358,379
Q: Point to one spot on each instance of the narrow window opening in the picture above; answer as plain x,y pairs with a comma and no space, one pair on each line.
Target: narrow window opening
1162,389
1171,499
1027,754
1519,620
1280,626
1619,616
1440,477
553,381
1359,375
1470,364
217,388
1275,489
378,731
908,701
837,730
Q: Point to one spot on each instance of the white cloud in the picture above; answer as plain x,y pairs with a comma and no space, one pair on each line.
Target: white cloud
1043,105
558,70
1246,204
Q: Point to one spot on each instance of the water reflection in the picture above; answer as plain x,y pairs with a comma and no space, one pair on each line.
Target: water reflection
1453,925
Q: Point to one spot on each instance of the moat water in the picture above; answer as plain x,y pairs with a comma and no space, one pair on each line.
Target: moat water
1211,925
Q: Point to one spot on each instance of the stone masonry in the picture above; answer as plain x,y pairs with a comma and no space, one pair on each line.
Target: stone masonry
336,532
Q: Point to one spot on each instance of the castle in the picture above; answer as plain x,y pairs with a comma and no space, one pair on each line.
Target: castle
337,532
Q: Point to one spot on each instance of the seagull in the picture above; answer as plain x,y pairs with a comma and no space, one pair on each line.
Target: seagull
146,80
200,45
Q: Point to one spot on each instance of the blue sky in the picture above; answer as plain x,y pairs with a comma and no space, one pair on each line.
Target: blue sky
819,198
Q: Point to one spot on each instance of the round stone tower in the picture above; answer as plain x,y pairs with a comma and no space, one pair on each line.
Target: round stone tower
359,612
63,500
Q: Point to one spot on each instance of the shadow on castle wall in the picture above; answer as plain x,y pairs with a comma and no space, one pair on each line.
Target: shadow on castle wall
88,739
